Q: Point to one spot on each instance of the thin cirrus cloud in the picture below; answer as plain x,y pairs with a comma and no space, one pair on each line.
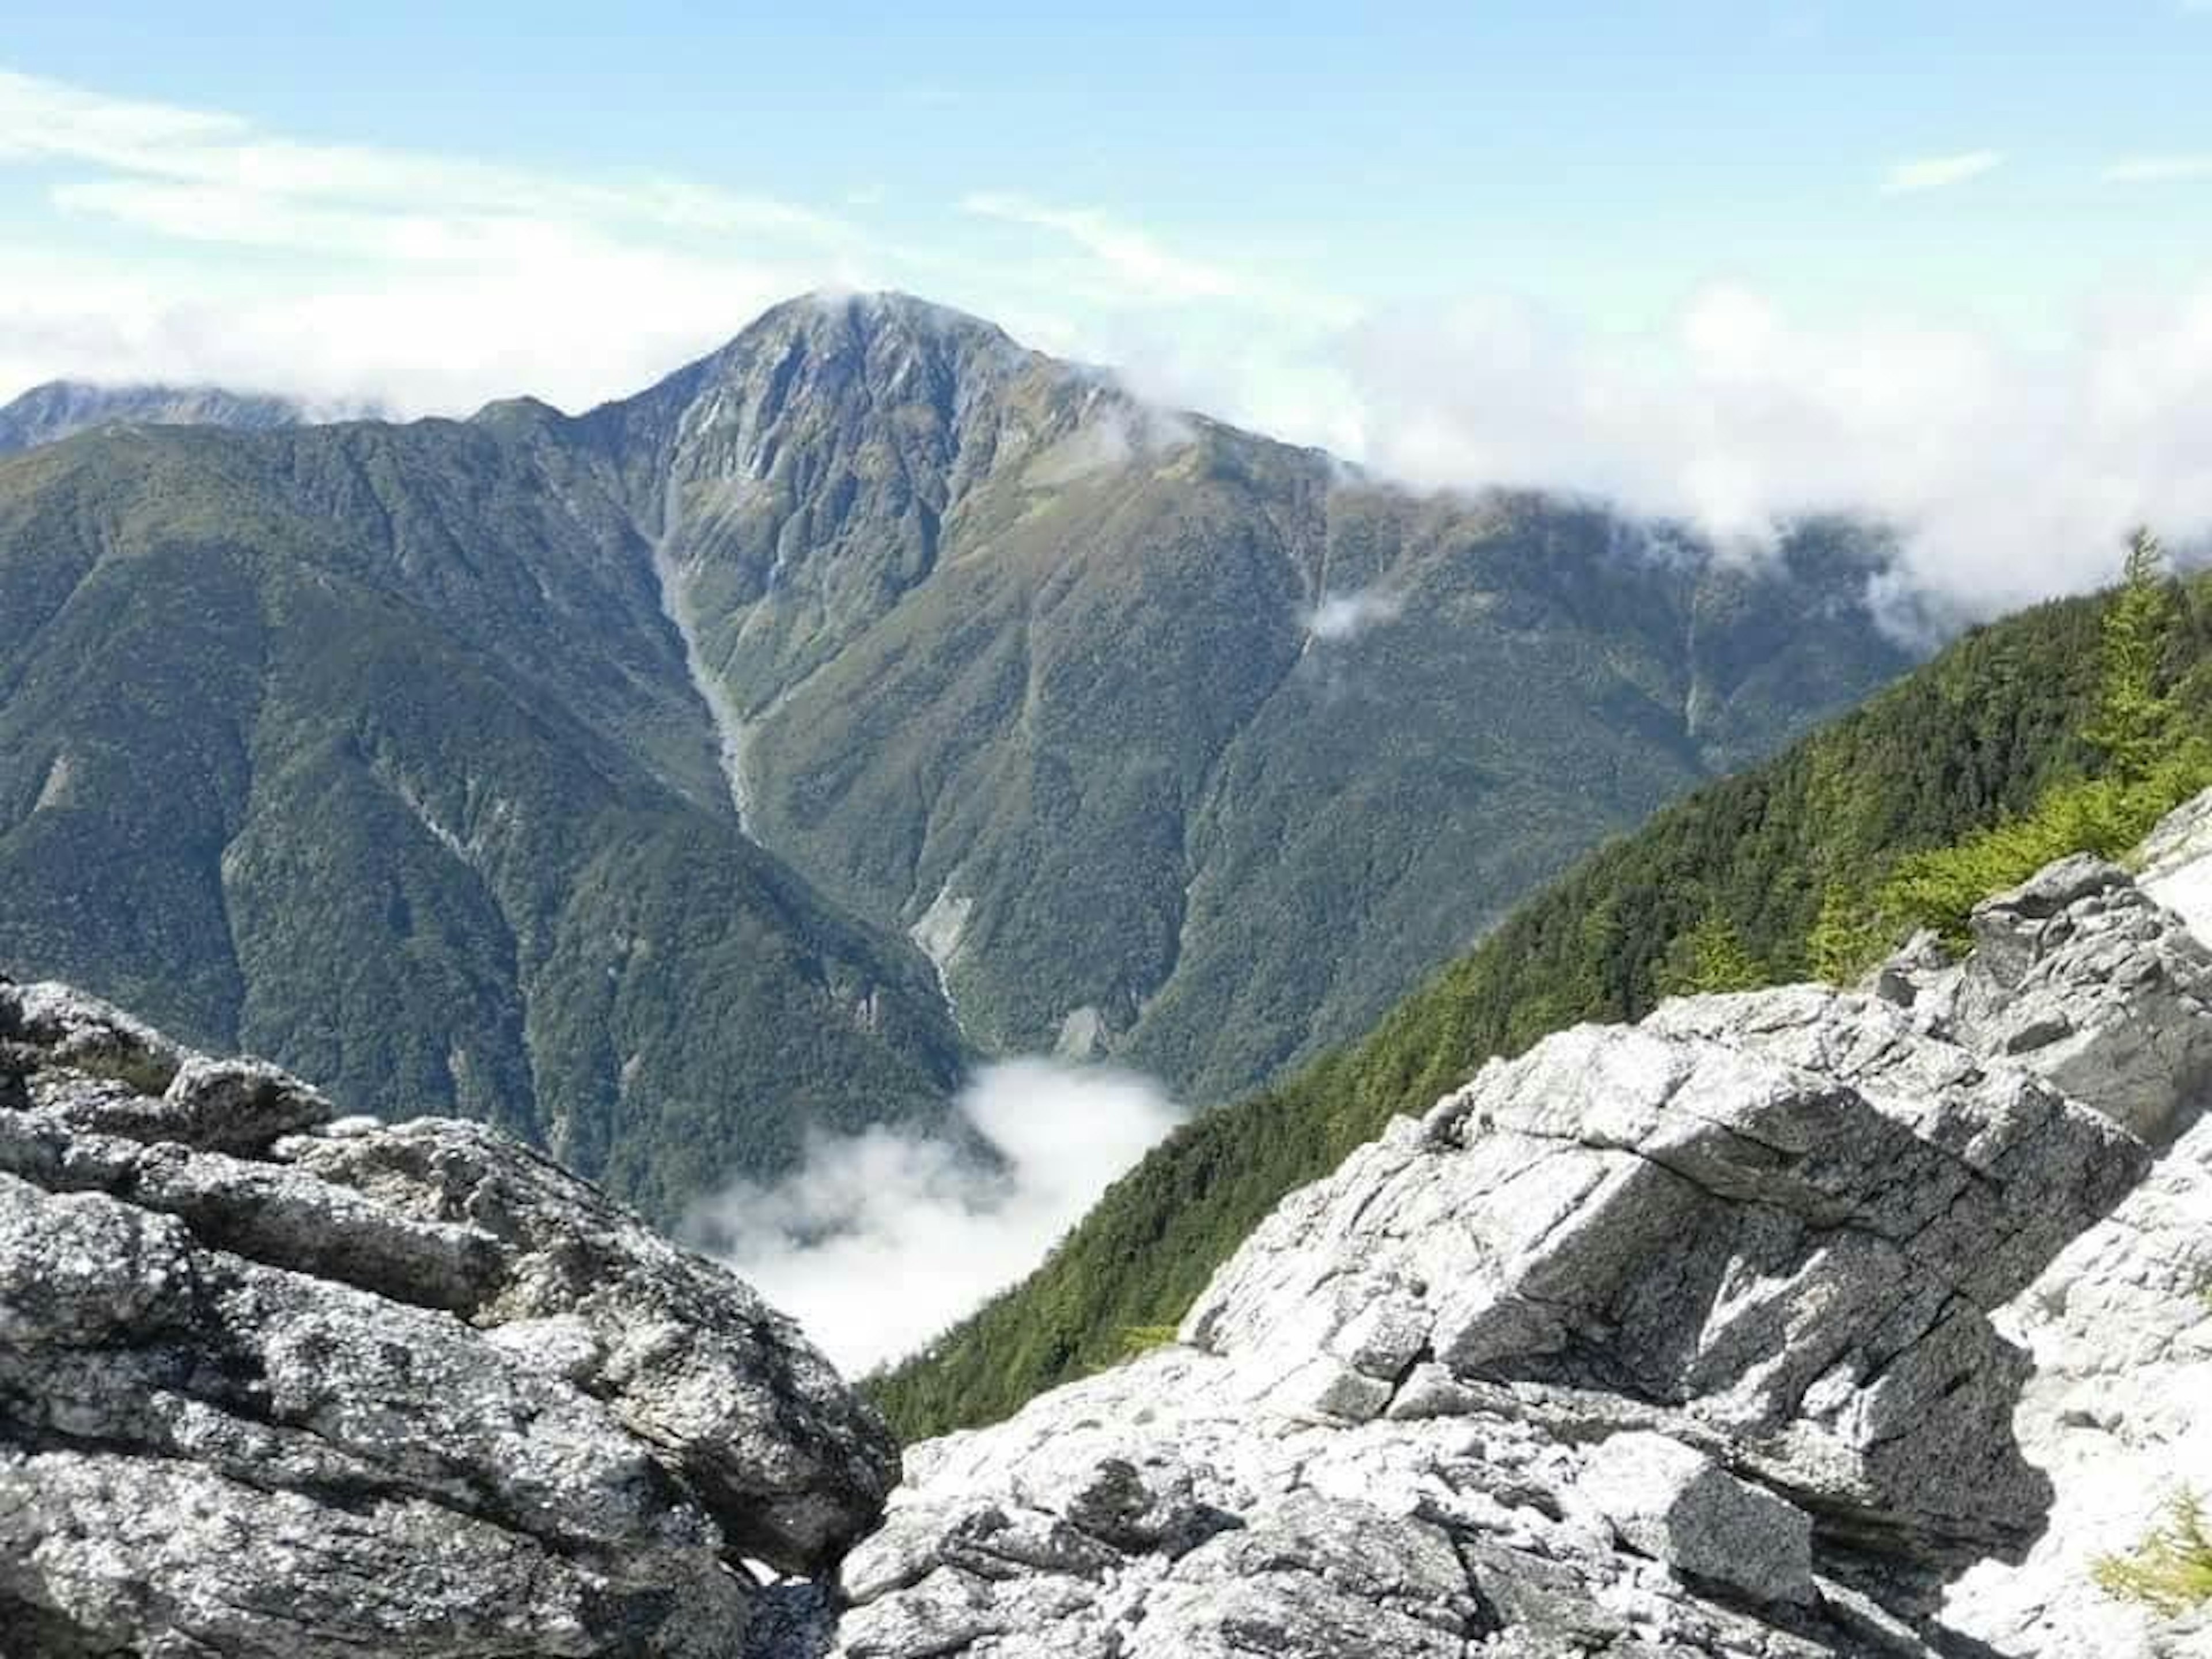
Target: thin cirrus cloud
420,281
172,163
1939,172
1130,265
2157,169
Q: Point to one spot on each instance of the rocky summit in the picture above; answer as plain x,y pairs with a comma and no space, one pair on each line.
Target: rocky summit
275,1382
1783,1324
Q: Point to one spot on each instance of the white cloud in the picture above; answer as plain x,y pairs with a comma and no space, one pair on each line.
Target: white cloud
427,283
1345,616
1130,265
231,161
882,1240
2157,169
2011,472
1128,253
1939,172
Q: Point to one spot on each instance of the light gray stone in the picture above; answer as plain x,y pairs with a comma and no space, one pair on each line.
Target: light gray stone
1677,1505
407,1389
1701,1337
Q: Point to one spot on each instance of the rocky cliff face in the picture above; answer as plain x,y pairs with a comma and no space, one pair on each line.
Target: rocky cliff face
1794,1323
272,1384
1746,1331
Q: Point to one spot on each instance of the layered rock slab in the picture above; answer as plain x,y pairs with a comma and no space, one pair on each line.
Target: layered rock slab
273,1382
1695,1337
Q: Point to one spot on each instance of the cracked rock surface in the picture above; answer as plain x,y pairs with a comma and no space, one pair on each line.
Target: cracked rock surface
275,1383
1793,1323
1713,1335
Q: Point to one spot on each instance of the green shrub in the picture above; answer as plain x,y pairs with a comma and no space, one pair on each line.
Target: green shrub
2171,1571
2107,815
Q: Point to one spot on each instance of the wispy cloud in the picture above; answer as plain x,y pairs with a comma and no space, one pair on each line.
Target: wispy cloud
178,167
1127,251
417,280
1130,263
2155,169
1939,172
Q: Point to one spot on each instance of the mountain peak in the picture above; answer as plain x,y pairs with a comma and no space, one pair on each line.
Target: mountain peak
60,409
875,312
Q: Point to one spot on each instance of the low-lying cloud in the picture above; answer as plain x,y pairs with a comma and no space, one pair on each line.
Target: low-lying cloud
1345,616
881,1240
2011,473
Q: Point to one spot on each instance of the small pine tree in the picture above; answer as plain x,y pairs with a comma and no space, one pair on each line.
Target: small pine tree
1846,939
2171,1571
1710,957
2133,721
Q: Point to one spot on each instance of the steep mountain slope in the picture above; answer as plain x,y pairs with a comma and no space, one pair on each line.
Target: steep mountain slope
369,748
1167,740
61,408
583,774
1967,740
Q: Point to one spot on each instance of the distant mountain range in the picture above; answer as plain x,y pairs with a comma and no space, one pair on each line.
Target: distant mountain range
62,409
872,694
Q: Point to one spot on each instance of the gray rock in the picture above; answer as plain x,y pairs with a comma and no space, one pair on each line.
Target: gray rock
1682,1339
407,1389
1667,1501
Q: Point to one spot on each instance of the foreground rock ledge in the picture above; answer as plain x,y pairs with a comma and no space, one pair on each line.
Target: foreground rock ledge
272,1384
1797,1323
1700,1337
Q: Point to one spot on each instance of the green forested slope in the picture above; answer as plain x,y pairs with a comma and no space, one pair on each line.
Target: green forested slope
1977,736
1180,744
357,747
400,752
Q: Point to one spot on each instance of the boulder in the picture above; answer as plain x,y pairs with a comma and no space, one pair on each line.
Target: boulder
1674,1504
275,1383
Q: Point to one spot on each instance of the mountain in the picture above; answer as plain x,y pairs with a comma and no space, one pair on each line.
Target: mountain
369,748
1797,1322
1168,741
646,781
1971,740
61,408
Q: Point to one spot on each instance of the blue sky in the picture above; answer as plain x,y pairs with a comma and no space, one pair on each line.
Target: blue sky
1615,154
1280,213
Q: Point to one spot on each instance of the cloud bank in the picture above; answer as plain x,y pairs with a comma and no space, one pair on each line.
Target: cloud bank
881,1240
1345,616
2011,472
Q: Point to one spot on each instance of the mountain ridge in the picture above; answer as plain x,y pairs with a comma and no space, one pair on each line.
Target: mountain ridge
989,687
56,410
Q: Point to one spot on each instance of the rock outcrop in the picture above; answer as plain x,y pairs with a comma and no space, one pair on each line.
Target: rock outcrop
1785,1324
277,1383
1745,1331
